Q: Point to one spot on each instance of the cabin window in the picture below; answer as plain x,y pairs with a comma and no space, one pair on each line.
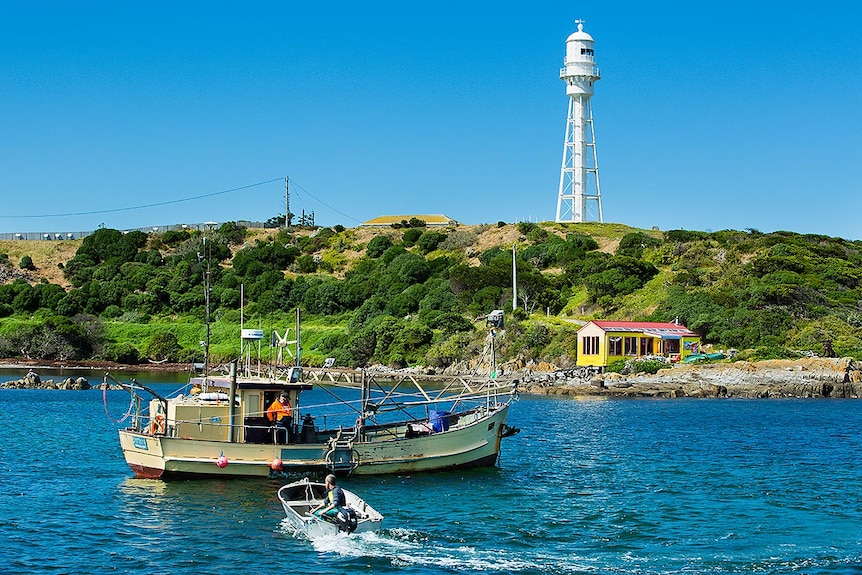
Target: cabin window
615,345
646,346
631,345
590,345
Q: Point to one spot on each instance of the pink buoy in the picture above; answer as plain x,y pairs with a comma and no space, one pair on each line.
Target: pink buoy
276,464
221,461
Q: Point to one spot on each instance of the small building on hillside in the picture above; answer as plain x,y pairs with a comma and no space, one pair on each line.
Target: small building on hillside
429,219
601,343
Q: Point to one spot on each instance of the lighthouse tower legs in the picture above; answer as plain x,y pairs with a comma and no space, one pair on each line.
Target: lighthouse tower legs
579,176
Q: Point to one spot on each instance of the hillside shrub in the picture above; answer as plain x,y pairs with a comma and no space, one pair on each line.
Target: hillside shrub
27,263
173,237
409,237
123,352
163,346
526,227
633,244
458,240
377,246
429,241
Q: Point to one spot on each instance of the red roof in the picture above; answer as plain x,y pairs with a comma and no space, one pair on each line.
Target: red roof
647,326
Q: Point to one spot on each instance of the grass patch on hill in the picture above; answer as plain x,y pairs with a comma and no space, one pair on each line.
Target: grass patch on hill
225,341
46,255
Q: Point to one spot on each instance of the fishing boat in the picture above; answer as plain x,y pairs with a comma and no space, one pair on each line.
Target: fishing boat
365,426
301,497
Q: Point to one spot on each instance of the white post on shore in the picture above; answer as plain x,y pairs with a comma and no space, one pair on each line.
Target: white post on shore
514,281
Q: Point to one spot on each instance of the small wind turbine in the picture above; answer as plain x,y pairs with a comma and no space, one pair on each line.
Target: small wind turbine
282,343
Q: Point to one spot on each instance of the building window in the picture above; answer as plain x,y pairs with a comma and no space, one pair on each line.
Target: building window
670,346
591,345
631,345
587,51
646,346
615,345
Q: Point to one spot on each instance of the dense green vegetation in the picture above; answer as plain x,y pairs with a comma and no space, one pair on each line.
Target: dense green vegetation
411,295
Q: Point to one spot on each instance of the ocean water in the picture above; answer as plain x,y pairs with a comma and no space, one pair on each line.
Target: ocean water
588,487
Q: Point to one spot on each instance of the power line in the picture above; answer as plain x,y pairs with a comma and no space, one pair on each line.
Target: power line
130,208
294,184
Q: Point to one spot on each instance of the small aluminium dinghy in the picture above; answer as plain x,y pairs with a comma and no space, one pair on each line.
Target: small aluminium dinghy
301,497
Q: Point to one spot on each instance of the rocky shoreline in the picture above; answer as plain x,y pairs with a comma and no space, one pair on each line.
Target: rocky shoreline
37,364
32,380
802,378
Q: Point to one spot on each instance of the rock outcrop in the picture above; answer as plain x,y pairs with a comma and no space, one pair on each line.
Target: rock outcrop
33,381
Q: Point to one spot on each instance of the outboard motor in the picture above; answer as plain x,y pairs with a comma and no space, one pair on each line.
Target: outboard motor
346,520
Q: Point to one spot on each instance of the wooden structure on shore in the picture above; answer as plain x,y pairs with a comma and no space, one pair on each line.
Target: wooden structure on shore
343,375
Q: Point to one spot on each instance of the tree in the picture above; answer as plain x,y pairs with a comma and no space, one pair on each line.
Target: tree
305,264
72,303
163,346
410,236
377,246
26,301
361,345
233,233
27,263
429,241
409,268
173,237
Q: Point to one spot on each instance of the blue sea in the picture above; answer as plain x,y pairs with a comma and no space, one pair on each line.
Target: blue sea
635,487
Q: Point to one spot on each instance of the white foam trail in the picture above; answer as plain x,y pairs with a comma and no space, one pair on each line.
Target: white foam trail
406,547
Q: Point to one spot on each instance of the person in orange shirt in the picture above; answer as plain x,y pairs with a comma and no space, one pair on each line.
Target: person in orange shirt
281,413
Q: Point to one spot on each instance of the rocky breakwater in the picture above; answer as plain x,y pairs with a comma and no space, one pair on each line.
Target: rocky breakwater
809,378
33,381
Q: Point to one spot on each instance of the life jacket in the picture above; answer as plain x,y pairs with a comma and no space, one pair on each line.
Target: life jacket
278,410
338,500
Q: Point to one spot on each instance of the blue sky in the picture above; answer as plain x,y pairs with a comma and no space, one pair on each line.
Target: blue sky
709,116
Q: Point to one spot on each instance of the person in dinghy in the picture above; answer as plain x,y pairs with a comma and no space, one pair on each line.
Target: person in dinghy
334,507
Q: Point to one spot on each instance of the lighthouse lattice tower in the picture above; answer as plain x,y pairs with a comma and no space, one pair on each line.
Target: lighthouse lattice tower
579,177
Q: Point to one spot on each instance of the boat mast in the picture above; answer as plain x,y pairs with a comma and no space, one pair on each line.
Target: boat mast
298,338
207,289
493,368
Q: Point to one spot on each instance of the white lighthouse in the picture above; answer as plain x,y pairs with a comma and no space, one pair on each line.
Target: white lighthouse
579,177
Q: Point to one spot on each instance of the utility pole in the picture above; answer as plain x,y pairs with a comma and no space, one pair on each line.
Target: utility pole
514,281
286,201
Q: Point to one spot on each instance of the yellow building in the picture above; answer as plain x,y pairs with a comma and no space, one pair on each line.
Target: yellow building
601,343
429,219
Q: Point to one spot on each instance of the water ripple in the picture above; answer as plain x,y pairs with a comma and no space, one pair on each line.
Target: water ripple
602,487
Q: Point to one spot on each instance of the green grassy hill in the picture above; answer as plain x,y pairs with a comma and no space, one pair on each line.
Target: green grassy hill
411,295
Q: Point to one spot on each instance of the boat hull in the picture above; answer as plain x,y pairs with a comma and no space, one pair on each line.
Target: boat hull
474,445
300,497
313,528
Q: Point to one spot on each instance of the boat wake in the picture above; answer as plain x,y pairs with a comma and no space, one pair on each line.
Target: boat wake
410,548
